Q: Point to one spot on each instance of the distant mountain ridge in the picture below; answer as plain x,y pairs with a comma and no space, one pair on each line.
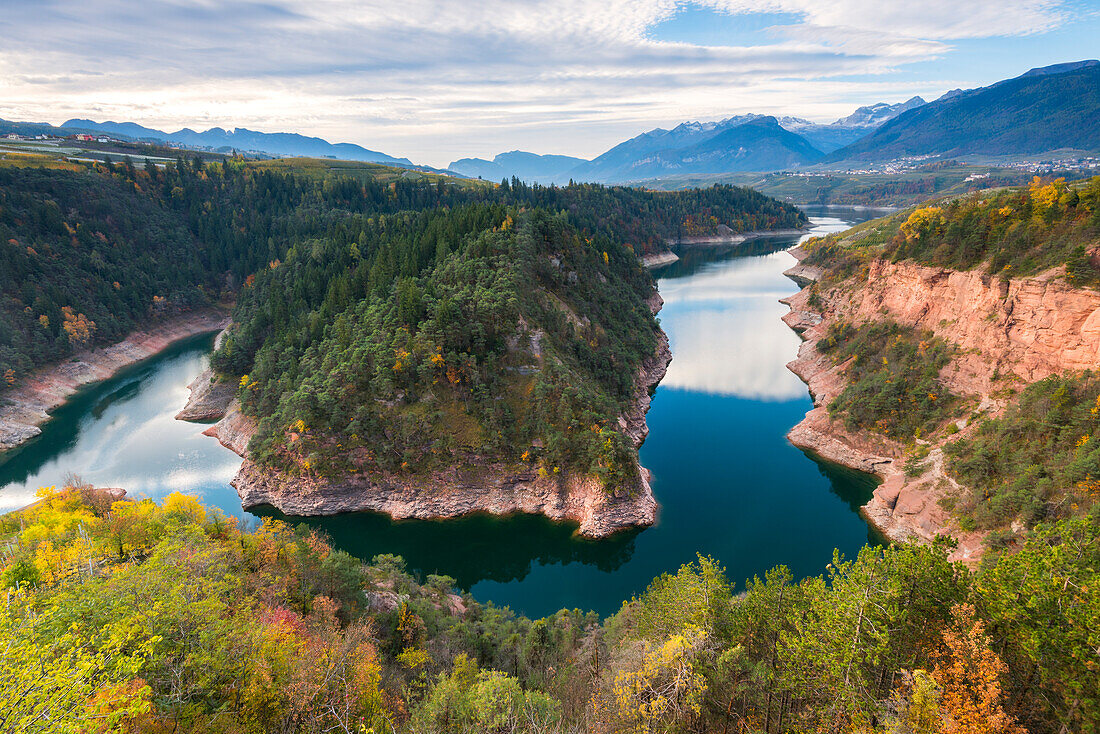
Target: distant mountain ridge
1045,109
527,166
243,139
755,145
879,114
697,147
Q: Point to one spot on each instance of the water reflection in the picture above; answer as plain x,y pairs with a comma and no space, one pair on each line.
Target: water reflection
472,549
122,433
719,323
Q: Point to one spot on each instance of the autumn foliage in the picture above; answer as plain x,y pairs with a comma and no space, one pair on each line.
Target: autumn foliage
137,616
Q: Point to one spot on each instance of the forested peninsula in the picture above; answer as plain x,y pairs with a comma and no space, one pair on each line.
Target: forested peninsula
398,343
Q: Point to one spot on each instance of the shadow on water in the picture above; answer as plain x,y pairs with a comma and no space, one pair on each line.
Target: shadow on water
470,549
854,487
128,391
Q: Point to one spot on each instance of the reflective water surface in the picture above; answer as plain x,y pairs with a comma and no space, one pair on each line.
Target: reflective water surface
729,483
122,433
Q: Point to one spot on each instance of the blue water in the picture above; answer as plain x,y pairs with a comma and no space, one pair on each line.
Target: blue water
122,432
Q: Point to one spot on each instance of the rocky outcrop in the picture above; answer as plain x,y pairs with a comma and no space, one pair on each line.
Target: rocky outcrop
801,273
25,407
1028,327
493,489
209,398
658,259
903,508
1020,329
632,422
234,430
496,489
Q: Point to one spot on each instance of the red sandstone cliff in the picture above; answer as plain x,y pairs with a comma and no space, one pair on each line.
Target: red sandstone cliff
1008,332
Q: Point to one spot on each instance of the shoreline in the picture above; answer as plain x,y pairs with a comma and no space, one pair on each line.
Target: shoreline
735,238
25,407
495,489
855,207
659,259
902,508
1016,329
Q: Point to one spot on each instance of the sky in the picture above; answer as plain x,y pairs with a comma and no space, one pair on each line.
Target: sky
434,81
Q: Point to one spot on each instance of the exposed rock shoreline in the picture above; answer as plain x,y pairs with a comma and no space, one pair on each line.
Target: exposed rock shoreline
494,489
1021,330
26,406
734,238
209,399
659,259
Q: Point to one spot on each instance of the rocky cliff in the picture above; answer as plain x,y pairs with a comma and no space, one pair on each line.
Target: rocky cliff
210,398
25,407
1009,332
493,488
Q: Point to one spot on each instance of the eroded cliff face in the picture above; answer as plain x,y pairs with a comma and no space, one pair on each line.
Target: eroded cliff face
1009,332
209,398
454,493
1028,327
496,489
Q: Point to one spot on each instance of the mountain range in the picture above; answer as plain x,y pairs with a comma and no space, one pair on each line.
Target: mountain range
1046,109
244,140
1052,108
749,142
846,130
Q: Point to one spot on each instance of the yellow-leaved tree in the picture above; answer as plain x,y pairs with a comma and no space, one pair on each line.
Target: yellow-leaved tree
969,673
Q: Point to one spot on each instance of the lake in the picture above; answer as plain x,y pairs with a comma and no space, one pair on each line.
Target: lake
728,482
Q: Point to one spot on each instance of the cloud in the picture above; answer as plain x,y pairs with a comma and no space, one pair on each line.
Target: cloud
431,78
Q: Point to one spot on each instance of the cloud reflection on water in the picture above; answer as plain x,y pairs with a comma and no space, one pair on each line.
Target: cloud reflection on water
722,317
714,319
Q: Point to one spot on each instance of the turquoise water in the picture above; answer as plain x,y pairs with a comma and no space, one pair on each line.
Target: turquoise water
728,482
122,433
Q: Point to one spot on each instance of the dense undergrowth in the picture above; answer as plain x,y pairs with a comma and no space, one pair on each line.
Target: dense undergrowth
893,378
134,616
1039,461
1008,232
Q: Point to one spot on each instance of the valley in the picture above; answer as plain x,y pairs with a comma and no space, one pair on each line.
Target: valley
550,368
541,565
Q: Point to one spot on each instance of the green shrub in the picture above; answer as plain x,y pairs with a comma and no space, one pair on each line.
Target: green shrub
893,378
1040,459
